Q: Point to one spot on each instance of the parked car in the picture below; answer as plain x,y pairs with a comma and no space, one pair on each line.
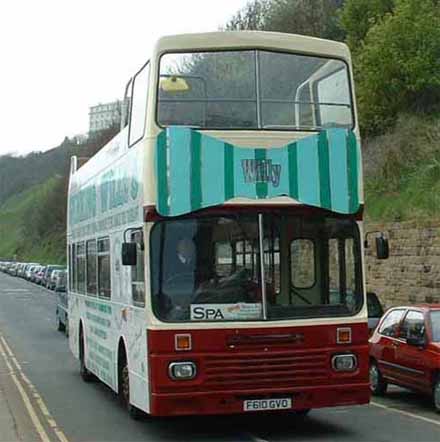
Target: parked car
39,274
26,269
12,270
375,311
29,268
33,272
53,278
19,269
405,351
46,281
62,301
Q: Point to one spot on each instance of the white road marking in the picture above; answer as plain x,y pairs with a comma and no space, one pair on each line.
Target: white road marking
406,413
27,403
41,404
17,290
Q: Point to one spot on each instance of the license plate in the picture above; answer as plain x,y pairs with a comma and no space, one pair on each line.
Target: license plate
267,404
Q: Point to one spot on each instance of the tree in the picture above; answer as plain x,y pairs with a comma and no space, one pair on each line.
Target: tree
398,68
250,18
358,16
318,18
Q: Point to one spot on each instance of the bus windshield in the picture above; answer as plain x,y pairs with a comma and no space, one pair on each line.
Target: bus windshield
209,268
253,89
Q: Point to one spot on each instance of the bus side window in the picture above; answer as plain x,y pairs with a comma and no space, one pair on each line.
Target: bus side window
139,105
137,271
91,267
334,88
223,259
302,257
104,279
71,265
81,267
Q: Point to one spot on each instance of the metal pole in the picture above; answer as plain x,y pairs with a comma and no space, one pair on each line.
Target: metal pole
263,279
257,86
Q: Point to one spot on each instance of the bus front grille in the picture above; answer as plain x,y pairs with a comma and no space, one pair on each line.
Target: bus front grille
265,370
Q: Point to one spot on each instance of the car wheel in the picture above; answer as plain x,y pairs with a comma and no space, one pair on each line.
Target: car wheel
377,384
436,394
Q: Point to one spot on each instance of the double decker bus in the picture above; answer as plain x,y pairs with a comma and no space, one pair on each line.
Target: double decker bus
214,245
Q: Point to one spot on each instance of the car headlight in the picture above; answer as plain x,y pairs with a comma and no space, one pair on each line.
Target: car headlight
182,370
345,362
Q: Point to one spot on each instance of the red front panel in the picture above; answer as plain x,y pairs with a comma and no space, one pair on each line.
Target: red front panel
238,364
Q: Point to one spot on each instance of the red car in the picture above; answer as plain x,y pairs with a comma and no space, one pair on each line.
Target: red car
405,351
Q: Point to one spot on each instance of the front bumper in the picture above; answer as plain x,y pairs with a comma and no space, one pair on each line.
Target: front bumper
224,402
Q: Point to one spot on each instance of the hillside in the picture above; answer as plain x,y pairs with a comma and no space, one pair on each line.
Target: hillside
402,171
33,200
14,217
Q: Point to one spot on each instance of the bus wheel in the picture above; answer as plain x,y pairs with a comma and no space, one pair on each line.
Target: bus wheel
61,326
302,413
124,390
85,374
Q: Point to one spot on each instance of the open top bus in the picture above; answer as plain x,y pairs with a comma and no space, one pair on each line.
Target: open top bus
215,244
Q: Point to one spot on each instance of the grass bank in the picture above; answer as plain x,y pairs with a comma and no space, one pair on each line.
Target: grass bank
15,242
402,171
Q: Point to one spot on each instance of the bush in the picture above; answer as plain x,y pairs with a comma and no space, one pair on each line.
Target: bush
398,68
358,16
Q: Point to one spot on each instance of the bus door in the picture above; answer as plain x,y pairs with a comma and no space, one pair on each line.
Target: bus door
136,325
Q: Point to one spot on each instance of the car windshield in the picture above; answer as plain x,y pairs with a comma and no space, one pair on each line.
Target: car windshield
435,324
253,89
210,268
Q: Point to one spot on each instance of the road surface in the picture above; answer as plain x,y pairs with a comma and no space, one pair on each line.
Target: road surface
48,401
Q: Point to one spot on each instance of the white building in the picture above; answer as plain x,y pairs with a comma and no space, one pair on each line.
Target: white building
103,116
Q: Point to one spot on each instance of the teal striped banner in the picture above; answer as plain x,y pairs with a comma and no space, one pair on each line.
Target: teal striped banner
194,171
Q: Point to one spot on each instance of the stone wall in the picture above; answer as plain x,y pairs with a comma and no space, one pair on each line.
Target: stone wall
412,272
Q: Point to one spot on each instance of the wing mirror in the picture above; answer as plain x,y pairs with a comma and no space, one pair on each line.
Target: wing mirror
129,253
382,245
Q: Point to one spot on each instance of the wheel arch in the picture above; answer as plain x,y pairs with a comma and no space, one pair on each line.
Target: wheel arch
122,354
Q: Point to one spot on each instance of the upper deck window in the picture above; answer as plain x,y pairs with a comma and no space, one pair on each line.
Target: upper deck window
253,89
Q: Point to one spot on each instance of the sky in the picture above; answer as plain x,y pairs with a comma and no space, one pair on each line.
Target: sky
58,57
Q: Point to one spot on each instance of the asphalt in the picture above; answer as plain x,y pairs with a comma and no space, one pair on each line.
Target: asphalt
68,410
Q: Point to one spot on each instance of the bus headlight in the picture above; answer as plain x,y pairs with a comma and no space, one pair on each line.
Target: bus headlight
345,362
182,370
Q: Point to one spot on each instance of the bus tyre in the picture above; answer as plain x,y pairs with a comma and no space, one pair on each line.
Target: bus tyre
85,374
302,413
436,394
378,385
124,392
61,326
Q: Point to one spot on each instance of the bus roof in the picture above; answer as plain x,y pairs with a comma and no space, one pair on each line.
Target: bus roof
252,39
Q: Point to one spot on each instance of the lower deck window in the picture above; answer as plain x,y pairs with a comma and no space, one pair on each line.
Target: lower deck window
104,278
